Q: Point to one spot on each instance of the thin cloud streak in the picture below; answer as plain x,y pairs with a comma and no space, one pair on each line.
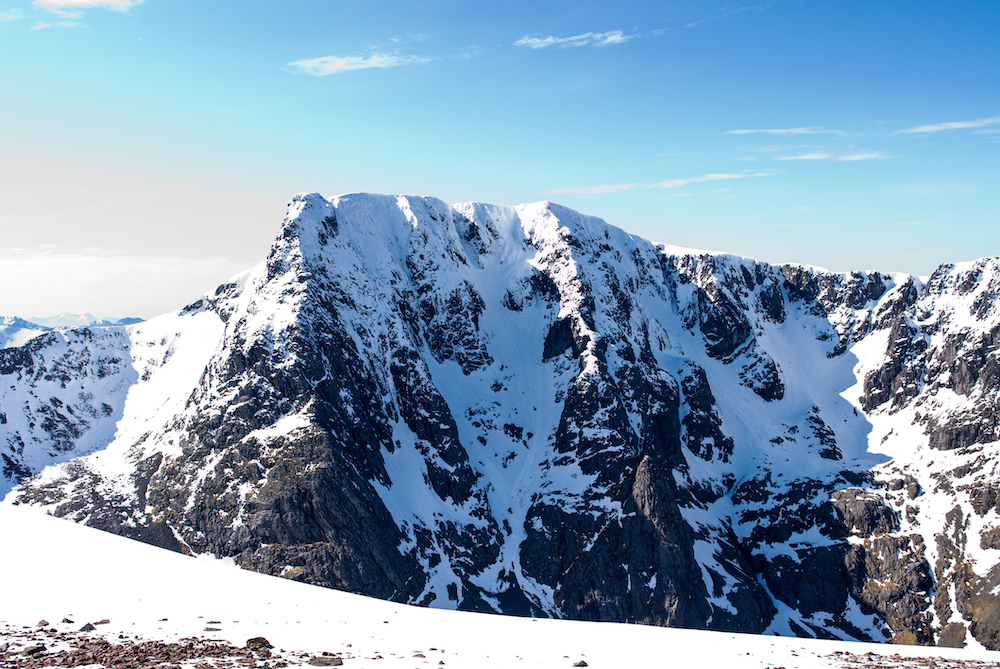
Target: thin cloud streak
592,190
952,125
62,24
334,64
12,15
732,11
785,131
586,39
669,183
840,158
116,5
411,38
677,183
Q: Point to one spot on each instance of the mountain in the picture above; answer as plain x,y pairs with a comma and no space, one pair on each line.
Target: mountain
65,320
106,322
16,331
525,410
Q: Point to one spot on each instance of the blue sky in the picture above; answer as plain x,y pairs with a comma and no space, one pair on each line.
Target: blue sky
149,147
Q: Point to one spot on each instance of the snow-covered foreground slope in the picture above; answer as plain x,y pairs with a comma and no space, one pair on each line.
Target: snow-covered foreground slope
529,411
56,570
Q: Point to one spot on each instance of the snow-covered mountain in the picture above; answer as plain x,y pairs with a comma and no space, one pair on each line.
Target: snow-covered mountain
526,410
65,320
16,331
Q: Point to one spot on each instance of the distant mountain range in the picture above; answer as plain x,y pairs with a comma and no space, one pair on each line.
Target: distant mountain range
526,410
16,331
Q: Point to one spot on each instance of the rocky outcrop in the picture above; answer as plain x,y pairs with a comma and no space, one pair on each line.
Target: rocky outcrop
525,410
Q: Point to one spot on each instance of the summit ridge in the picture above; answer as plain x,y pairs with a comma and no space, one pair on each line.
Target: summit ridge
528,411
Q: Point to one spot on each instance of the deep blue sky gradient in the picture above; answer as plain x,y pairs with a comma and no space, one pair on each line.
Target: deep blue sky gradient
151,150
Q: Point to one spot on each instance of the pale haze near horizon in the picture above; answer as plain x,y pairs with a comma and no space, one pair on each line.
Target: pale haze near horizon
150,147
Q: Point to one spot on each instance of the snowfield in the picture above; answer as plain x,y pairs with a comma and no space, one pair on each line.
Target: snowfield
54,569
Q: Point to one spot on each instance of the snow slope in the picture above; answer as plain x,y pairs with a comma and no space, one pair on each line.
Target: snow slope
149,593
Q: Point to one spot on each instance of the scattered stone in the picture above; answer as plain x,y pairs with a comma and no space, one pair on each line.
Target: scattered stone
211,629
325,661
581,663
258,642
419,655
67,621
214,622
105,621
88,628
33,650
43,623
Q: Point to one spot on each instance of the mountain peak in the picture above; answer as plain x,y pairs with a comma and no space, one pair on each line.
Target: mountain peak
524,409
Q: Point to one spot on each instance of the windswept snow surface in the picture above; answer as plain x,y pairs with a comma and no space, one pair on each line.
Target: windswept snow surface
54,569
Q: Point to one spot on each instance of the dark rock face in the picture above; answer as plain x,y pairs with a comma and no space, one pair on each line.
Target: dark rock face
524,410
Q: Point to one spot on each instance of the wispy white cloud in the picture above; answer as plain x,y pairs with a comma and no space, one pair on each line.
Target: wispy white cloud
333,64
840,158
409,38
953,125
468,53
785,131
116,5
677,183
62,24
991,131
732,10
586,39
669,183
67,14
592,190
12,15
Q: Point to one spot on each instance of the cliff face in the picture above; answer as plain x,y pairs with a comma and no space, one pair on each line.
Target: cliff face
526,410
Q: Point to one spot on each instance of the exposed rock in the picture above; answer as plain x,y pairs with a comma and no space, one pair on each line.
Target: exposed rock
525,410
258,642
